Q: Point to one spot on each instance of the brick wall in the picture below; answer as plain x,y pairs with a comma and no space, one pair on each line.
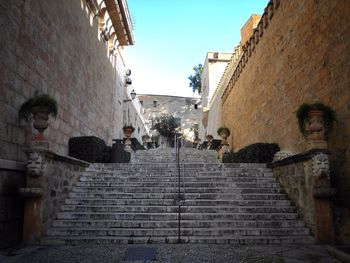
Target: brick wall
300,54
53,47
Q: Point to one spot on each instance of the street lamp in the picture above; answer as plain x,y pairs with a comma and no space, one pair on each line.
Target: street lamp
132,95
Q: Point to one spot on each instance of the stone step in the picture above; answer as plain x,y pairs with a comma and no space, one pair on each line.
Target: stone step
157,166
164,174
168,202
174,216
212,196
175,184
175,209
234,240
174,223
193,231
172,180
157,190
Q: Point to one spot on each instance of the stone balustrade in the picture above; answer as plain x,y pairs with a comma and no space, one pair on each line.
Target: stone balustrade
49,179
306,179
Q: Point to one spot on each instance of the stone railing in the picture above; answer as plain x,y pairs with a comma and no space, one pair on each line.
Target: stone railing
249,46
49,179
306,179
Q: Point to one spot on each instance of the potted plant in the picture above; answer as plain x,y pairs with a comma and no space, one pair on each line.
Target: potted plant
40,107
224,132
315,120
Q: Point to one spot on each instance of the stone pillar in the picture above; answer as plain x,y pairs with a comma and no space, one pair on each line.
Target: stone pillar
322,204
33,192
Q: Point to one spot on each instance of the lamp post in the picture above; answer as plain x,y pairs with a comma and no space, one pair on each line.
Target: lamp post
132,96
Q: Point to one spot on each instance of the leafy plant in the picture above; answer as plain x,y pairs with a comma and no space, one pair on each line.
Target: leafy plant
224,129
329,115
38,100
254,153
166,125
195,80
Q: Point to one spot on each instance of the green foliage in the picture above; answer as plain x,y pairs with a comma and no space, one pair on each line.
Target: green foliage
38,100
166,125
224,129
195,80
254,153
329,115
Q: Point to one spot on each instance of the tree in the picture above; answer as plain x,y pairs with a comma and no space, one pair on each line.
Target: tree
195,80
166,125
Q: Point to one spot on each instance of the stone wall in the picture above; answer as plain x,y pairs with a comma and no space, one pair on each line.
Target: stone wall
53,47
299,53
12,176
305,178
49,180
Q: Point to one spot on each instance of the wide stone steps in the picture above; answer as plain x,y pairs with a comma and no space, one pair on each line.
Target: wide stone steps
175,209
174,223
175,216
140,203
170,180
148,185
193,231
235,196
233,240
116,190
169,202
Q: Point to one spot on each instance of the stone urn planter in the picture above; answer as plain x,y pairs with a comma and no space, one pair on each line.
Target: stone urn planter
40,107
315,123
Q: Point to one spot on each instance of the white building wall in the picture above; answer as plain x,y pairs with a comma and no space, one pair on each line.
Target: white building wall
214,115
213,68
176,106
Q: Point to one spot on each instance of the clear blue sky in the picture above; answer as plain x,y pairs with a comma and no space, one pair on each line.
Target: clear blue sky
173,36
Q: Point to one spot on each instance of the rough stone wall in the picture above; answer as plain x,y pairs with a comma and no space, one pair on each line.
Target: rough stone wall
53,47
61,174
296,179
300,54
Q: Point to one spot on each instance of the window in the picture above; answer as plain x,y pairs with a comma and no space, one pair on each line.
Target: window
196,106
154,104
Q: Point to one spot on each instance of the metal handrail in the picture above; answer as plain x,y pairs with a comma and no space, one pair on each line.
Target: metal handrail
179,197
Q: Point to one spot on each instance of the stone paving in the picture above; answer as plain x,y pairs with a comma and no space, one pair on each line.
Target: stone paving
193,253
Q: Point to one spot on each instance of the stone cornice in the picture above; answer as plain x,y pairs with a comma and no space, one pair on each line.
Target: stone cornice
249,46
119,13
54,156
298,157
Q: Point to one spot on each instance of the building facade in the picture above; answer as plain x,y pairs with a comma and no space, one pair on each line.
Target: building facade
186,109
213,68
73,51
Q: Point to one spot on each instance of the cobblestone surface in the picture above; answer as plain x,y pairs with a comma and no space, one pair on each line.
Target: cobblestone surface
172,254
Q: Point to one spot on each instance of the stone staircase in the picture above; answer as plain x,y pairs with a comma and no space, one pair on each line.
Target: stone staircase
139,203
